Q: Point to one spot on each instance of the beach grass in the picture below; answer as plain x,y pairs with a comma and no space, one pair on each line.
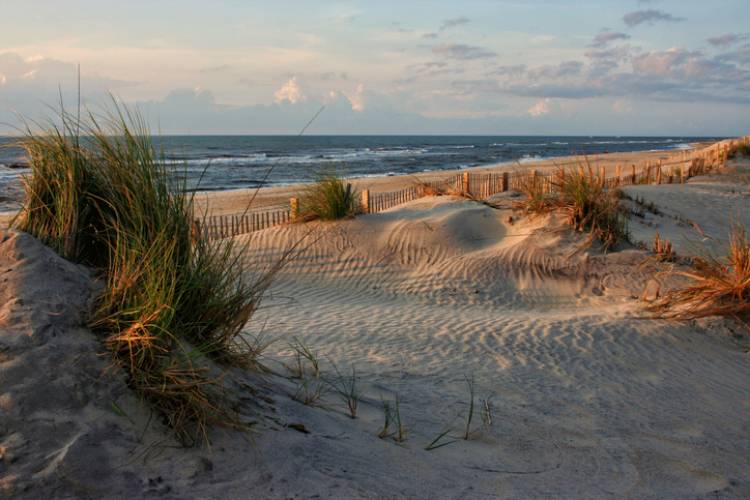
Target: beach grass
583,197
717,286
329,198
173,303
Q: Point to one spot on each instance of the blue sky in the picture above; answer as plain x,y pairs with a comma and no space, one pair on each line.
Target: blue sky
437,67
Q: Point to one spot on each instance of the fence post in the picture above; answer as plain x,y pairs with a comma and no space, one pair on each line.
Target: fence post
366,201
658,173
632,176
618,174
294,209
465,183
506,180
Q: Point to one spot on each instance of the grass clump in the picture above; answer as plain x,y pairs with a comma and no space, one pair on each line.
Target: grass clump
101,195
740,151
346,387
663,249
329,198
719,286
583,197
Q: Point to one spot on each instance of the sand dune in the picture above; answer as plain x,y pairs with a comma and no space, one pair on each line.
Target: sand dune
588,397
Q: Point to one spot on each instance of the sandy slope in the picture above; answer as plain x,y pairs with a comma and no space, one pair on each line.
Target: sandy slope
589,399
696,214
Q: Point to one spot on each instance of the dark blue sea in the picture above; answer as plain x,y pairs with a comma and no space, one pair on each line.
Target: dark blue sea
231,162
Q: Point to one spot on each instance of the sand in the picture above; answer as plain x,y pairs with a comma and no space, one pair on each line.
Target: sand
589,398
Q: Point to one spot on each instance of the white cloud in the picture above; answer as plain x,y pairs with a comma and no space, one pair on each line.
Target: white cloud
357,99
290,91
541,108
622,106
2,79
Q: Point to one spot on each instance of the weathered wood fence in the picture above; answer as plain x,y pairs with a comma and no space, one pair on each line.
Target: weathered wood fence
225,226
676,169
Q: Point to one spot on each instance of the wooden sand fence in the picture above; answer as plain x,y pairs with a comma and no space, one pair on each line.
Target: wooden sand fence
677,169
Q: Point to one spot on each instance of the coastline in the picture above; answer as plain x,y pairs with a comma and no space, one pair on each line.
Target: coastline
237,200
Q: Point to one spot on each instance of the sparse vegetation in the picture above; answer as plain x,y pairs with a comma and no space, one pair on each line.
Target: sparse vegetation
438,442
663,249
741,150
392,416
584,198
100,194
309,391
400,436
719,286
346,387
470,415
387,420
304,353
329,198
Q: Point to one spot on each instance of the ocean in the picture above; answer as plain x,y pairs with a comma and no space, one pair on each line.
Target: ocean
232,162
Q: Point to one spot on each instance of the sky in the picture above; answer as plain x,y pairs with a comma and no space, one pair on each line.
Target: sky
494,67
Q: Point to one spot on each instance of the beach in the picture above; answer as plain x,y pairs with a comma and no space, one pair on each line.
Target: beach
237,200
522,360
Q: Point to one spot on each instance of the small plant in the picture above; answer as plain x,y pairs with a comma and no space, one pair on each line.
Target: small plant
663,249
537,197
470,416
742,150
308,392
436,443
387,420
400,429
329,198
718,286
392,416
346,388
302,353
583,196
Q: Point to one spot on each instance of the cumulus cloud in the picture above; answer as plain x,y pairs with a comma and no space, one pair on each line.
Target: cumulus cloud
541,108
662,62
727,40
605,37
357,99
462,52
290,91
30,85
649,16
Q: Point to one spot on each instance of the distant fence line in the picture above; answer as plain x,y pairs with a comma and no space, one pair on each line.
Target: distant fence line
677,169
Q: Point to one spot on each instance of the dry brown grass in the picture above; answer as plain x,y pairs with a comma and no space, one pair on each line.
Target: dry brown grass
719,286
663,249
437,188
583,197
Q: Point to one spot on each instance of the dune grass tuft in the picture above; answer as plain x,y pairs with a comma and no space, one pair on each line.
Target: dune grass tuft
719,286
329,198
100,194
739,151
663,249
583,197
